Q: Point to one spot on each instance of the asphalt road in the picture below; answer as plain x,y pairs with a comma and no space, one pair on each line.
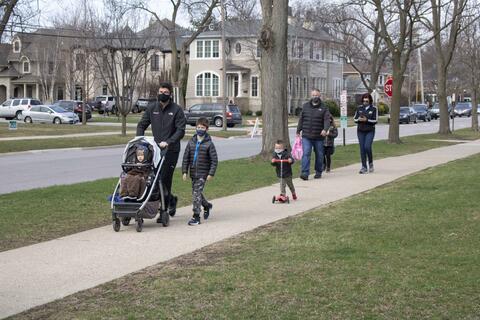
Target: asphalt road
35,169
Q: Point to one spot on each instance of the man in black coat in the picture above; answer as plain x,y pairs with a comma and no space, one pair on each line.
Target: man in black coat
168,126
312,125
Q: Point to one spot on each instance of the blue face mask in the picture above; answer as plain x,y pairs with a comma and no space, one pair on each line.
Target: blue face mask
201,132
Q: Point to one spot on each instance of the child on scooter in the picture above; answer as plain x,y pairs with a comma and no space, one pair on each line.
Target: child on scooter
284,169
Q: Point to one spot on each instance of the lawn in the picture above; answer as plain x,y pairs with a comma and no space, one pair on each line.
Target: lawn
407,250
43,129
28,217
90,141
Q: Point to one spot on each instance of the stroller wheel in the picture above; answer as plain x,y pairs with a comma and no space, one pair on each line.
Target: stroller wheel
273,199
126,221
139,225
165,218
116,224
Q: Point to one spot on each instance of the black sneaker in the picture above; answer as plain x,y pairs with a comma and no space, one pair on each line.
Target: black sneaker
363,170
172,207
159,219
304,177
194,221
317,176
370,168
206,211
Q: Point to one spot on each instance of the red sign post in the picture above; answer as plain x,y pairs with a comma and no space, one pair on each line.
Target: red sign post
388,87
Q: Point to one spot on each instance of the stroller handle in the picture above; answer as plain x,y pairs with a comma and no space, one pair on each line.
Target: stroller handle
280,160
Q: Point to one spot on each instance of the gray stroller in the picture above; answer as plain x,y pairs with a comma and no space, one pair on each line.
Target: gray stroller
147,204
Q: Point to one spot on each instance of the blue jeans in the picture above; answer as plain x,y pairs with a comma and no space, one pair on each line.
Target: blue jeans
307,145
365,140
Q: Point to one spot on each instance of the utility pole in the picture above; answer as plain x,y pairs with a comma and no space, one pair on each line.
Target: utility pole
224,69
420,73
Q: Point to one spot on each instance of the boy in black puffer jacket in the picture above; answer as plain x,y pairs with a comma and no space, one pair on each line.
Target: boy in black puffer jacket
200,158
284,169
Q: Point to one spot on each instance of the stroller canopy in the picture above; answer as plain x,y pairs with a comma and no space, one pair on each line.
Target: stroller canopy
148,142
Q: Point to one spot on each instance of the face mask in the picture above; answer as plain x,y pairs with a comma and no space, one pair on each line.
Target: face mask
366,103
278,151
315,100
163,97
201,132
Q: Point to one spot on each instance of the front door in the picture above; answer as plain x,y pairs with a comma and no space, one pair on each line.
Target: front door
232,85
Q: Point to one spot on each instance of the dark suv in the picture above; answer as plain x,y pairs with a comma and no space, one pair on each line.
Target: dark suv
75,106
214,113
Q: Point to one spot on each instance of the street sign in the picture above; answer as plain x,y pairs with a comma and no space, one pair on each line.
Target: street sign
343,103
343,122
12,125
388,87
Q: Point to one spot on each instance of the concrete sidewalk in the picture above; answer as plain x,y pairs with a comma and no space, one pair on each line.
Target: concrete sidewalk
41,273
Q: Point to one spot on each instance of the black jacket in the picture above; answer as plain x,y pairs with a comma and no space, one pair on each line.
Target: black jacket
207,160
168,124
284,170
313,120
332,134
372,117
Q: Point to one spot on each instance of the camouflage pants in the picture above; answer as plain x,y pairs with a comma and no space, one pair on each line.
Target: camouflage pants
286,181
198,199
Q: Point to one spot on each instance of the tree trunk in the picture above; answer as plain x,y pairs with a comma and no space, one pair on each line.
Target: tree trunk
442,102
183,79
124,124
474,109
273,39
7,10
394,127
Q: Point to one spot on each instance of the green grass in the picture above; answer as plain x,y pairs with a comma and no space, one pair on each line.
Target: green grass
407,250
131,118
29,217
89,141
34,129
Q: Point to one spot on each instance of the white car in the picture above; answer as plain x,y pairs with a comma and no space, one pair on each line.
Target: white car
13,108
49,114
108,104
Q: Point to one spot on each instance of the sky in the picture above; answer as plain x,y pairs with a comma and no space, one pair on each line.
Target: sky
51,8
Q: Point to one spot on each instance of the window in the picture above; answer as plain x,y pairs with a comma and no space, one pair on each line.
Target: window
333,54
79,61
51,67
323,52
16,102
127,63
297,87
311,50
208,49
78,93
337,87
26,67
24,102
259,49
7,103
238,48
207,85
254,86
199,49
155,62
294,48
317,51
105,89
59,93
105,62
16,46
300,49
290,84
305,86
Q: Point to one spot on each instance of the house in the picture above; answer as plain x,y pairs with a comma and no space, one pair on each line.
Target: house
314,62
355,87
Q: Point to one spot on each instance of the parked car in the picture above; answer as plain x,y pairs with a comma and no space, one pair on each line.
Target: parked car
422,112
214,113
75,106
142,103
94,105
463,109
49,114
13,108
107,104
407,115
435,111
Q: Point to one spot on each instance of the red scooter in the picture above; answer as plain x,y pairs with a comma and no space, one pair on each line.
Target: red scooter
281,198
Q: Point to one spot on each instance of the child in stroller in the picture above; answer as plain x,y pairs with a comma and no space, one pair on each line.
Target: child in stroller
133,184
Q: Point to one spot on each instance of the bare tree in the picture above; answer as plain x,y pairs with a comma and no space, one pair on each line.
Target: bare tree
201,16
469,58
14,15
6,11
273,41
50,59
399,23
120,55
445,26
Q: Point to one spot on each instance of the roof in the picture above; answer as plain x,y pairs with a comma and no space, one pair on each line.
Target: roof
9,72
245,28
234,67
4,50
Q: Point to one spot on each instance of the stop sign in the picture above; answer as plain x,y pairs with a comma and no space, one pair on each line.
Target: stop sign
388,86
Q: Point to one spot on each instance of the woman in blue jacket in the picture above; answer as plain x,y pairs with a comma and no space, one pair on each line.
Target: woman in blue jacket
366,117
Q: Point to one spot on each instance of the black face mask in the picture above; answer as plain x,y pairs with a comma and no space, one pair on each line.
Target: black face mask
163,97
316,100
